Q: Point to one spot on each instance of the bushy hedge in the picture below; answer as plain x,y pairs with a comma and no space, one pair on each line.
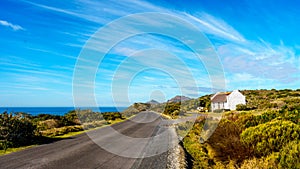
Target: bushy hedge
173,109
271,136
244,140
289,156
15,130
20,129
286,158
112,116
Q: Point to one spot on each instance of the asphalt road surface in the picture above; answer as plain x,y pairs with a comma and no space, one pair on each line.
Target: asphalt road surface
141,142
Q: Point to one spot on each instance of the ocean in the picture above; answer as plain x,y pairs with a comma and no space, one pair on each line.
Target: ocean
58,110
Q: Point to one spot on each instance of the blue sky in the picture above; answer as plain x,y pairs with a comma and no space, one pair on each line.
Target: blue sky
256,41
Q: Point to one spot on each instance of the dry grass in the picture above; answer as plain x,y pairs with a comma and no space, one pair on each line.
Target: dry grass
11,150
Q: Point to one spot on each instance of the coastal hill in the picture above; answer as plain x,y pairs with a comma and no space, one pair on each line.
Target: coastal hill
135,109
153,102
167,108
178,99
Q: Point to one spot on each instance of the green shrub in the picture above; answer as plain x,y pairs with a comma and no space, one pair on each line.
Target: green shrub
197,150
15,130
293,116
172,109
86,116
271,136
241,107
61,131
112,116
269,162
289,156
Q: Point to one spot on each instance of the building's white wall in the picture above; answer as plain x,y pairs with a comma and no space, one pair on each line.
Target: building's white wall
226,106
219,105
235,98
214,106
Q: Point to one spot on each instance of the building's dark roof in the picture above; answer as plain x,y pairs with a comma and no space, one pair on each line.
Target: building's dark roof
220,97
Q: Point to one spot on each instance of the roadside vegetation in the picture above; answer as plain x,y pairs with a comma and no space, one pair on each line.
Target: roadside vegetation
135,109
174,109
263,134
18,130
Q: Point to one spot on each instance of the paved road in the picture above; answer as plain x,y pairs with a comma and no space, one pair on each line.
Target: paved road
140,142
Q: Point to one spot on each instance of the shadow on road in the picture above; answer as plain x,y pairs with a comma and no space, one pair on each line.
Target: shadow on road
39,140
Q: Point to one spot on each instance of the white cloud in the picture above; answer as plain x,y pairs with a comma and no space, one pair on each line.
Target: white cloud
215,26
245,61
78,14
101,13
10,25
25,72
260,60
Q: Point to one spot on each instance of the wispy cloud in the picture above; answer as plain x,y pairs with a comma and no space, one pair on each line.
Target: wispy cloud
25,72
26,87
260,60
215,26
246,62
53,53
206,22
77,14
10,25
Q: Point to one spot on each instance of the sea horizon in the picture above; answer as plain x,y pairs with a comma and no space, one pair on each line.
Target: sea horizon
58,110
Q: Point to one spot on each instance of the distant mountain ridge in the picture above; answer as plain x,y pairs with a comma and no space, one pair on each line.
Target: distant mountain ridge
178,98
153,102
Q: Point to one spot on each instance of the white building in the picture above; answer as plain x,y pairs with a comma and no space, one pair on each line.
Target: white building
227,100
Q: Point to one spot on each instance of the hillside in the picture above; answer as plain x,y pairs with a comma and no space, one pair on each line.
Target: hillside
270,99
263,135
135,109
152,102
177,99
256,100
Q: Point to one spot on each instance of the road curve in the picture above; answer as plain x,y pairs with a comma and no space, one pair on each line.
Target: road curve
103,148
